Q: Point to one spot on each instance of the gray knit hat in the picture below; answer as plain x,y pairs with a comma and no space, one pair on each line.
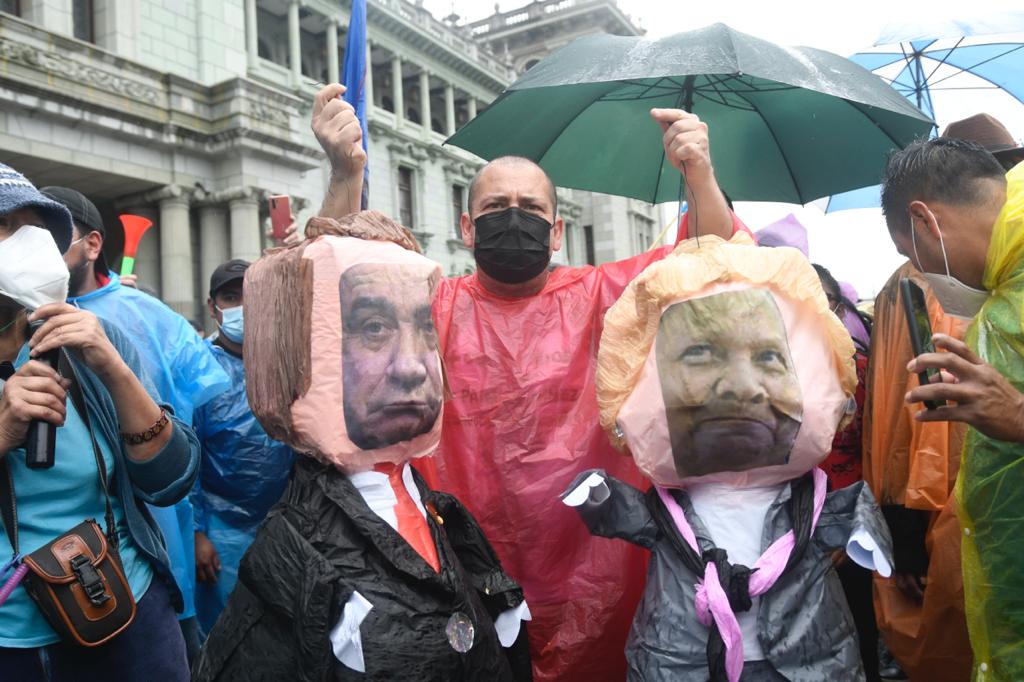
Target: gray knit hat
17,192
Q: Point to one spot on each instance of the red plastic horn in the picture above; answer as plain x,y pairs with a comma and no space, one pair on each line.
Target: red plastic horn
134,227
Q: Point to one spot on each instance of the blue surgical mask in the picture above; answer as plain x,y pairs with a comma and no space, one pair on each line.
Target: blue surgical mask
232,325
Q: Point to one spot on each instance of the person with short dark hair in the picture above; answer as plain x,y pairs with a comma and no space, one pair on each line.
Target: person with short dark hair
149,454
183,370
243,471
960,220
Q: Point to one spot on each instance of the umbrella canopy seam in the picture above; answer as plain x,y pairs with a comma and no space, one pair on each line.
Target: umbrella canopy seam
782,153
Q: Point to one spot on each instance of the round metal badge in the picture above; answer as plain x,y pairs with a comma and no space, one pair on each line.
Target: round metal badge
460,632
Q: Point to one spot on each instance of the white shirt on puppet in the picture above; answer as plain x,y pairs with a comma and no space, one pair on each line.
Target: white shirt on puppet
376,491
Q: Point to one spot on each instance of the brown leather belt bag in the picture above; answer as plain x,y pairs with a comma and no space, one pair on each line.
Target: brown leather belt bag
77,580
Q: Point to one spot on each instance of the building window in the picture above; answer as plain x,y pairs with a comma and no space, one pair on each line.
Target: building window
10,7
272,34
644,229
458,206
588,243
82,20
405,196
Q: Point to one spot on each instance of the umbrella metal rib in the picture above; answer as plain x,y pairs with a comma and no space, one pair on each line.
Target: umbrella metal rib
771,131
708,84
939,65
968,69
875,123
722,95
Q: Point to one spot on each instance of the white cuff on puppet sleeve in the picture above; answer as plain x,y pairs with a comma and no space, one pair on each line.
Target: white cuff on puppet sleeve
346,640
508,623
592,490
865,551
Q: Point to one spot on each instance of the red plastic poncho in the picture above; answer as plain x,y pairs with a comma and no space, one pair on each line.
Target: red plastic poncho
521,422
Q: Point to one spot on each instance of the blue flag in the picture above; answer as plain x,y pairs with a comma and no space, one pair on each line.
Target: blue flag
353,77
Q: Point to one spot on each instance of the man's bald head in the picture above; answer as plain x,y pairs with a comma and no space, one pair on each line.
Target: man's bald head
501,181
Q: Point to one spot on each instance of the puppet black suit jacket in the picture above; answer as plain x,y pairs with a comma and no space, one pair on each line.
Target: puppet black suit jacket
321,543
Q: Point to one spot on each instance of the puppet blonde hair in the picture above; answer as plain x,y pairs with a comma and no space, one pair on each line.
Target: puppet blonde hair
631,325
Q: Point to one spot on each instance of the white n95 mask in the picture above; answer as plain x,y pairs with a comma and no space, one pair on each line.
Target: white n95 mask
32,271
955,297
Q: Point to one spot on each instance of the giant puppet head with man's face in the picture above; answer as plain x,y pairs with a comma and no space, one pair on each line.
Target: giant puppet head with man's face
341,354
723,363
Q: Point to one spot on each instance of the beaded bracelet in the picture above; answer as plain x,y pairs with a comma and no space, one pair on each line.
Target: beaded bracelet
149,434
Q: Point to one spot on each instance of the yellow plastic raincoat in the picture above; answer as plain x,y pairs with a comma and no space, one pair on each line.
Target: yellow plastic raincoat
990,488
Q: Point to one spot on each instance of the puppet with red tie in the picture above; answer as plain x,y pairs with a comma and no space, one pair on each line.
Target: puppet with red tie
361,571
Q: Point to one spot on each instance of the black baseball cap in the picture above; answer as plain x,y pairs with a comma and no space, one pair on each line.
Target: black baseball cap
83,212
227,273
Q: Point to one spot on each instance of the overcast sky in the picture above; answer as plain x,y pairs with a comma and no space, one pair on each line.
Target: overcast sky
853,244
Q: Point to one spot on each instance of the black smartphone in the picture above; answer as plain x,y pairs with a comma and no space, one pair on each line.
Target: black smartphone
916,311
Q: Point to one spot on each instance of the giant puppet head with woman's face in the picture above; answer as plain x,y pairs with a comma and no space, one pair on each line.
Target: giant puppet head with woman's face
723,363
341,353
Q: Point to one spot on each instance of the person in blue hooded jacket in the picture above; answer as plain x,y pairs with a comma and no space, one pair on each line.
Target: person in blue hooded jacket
181,367
243,472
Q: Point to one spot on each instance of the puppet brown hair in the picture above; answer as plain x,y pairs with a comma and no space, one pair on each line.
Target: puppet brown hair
278,316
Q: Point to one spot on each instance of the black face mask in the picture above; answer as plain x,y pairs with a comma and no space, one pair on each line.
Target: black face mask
512,246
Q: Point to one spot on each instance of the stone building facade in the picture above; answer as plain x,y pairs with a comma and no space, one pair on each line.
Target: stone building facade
193,112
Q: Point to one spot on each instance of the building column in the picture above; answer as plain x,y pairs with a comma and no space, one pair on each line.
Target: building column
147,258
397,96
332,51
425,100
449,109
369,79
213,242
246,237
252,48
472,107
294,41
176,252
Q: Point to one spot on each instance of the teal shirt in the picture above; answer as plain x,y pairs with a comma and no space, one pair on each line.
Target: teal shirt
51,502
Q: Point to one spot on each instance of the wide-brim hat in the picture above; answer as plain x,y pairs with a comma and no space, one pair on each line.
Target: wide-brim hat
987,131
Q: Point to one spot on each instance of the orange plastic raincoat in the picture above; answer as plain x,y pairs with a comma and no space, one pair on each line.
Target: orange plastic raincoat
915,464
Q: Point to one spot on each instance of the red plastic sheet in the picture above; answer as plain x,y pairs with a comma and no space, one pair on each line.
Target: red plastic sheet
520,424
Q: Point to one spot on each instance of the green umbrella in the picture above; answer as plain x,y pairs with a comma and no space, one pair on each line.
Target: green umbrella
786,124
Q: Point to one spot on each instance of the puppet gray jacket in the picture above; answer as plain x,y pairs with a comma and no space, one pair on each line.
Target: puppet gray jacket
804,625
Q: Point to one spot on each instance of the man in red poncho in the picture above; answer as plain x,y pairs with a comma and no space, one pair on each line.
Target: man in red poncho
519,342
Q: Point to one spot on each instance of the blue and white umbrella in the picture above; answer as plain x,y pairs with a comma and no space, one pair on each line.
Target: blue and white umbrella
935,61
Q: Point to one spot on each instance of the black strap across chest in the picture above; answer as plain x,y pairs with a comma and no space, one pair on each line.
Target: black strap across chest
8,501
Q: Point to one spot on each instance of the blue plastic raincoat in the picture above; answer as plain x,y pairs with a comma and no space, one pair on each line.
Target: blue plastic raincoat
242,474
185,374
